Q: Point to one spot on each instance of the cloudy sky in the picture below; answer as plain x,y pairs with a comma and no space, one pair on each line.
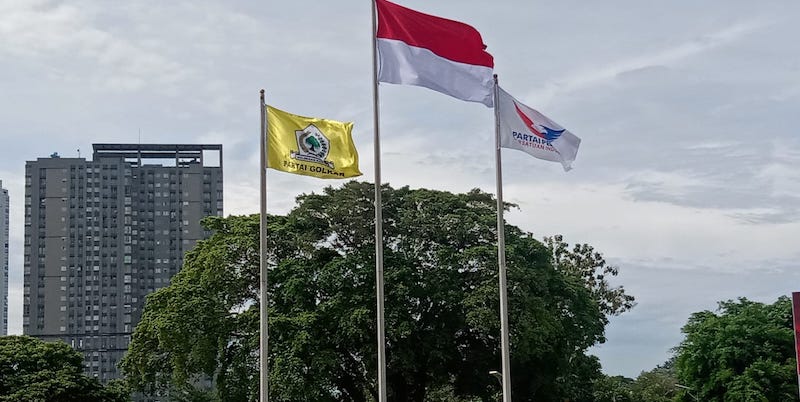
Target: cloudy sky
688,177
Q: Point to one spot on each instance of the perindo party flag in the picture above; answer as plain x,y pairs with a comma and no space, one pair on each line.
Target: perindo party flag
525,129
436,53
310,146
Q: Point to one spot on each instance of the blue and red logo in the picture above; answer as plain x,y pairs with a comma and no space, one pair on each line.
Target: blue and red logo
548,135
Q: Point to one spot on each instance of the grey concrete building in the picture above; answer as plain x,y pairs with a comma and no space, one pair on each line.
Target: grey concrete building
102,234
3,260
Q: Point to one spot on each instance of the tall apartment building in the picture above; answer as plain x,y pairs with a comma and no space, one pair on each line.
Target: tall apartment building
102,234
3,260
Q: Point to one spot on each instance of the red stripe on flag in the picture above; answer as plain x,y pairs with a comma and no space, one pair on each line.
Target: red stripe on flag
450,39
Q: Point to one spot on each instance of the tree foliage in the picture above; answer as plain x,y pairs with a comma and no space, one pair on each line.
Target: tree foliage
576,383
613,389
442,313
744,352
657,385
584,262
33,370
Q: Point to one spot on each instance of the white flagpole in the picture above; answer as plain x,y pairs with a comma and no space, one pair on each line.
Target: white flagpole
501,254
378,215
795,328
263,333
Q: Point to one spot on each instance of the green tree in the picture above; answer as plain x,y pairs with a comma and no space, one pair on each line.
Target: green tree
33,370
584,262
442,322
613,389
576,384
657,385
742,353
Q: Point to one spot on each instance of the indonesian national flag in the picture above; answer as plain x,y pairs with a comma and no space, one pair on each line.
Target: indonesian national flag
529,131
444,55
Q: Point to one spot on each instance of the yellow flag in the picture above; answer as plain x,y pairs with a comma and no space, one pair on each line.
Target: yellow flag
309,146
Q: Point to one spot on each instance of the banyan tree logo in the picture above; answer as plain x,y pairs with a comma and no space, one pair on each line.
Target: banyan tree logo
312,146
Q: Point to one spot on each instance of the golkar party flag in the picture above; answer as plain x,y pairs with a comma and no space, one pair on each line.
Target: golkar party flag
529,131
432,52
310,146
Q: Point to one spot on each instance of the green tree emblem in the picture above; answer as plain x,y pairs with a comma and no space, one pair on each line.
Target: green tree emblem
312,143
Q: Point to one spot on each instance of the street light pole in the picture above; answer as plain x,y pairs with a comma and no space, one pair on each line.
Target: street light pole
498,375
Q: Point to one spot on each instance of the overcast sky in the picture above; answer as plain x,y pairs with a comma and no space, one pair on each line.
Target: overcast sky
688,176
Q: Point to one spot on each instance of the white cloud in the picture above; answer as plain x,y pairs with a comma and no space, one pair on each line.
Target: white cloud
673,184
604,215
45,32
783,178
583,79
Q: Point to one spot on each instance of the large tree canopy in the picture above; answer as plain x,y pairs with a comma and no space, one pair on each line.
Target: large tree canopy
742,353
442,313
32,370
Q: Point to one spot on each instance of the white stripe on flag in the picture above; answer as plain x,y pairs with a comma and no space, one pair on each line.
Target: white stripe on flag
410,65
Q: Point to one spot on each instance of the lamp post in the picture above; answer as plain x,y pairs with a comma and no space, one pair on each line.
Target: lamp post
498,375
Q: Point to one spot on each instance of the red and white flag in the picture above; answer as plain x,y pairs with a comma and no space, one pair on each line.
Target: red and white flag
525,129
440,54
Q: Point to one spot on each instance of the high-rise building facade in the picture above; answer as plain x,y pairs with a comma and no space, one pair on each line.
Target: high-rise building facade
3,260
102,234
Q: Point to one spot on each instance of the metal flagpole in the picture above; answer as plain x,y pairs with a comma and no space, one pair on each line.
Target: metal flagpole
501,254
378,215
796,331
264,330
